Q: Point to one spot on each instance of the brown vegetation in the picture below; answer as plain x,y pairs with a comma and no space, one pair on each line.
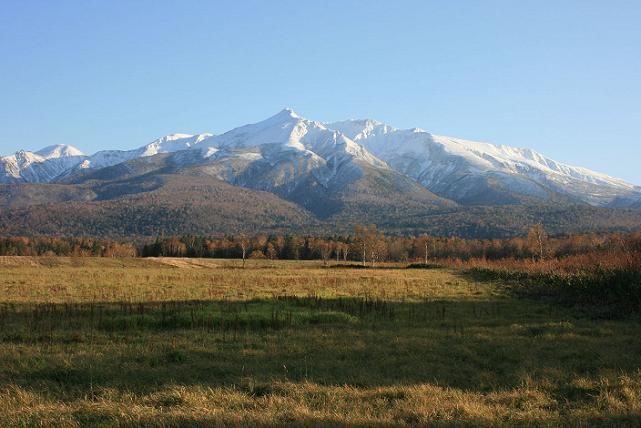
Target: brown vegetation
202,342
367,245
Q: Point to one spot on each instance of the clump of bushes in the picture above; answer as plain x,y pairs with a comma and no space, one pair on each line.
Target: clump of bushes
609,285
424,266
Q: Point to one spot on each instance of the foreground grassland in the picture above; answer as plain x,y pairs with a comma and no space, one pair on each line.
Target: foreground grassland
172,342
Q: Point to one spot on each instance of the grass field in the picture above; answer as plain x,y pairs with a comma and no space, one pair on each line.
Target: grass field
173,342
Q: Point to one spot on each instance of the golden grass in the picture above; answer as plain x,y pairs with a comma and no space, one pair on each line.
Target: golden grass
433,347
69,280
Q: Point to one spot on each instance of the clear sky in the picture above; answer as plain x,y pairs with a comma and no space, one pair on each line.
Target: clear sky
561,77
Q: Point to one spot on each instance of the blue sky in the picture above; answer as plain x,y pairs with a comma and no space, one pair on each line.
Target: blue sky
561,77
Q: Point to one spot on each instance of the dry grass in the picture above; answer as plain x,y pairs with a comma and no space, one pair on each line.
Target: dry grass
69,280
605,283
203,342
573,264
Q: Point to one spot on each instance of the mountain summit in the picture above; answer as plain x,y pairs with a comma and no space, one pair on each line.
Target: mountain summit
472,172
286,149
334,172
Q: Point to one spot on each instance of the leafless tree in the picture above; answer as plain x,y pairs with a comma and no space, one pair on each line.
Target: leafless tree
537,238
322,247
345,248
243,243
371,243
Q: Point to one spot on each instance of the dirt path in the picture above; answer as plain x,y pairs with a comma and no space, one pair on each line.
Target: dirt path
185,263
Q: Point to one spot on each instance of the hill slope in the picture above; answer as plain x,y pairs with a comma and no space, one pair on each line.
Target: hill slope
291,174
471,172
163,205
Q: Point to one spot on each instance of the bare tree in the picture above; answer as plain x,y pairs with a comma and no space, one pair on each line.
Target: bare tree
322,247
371,244
341,249
345,247
537,239
361,239
243,243
378,248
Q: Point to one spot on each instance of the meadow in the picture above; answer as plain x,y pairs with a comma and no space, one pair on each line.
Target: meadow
202,342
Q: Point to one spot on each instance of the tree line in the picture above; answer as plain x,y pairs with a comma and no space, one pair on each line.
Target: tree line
366,245
74,247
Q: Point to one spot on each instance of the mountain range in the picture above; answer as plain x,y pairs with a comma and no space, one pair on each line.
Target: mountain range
290,174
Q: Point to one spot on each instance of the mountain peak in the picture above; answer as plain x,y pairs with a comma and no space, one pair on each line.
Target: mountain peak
59,151
172,143
285,114
360,129
287,145
175,136
290,112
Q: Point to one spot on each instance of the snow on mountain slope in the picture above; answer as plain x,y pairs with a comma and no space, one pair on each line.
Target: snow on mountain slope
295,158
173,143
360,129
467,171
288,131
168,144
58,161
284,154
58,151
38,167
287,154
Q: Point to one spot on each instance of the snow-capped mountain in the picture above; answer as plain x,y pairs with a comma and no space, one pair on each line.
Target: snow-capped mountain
168,144
38,167
289,131
305,161
475,172
283,152
59,151
298,159
54,162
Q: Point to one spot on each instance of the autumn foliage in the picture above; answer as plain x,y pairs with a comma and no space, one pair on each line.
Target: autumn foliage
536,251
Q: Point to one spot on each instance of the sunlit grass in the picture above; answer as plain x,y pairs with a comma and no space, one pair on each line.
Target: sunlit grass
172,342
